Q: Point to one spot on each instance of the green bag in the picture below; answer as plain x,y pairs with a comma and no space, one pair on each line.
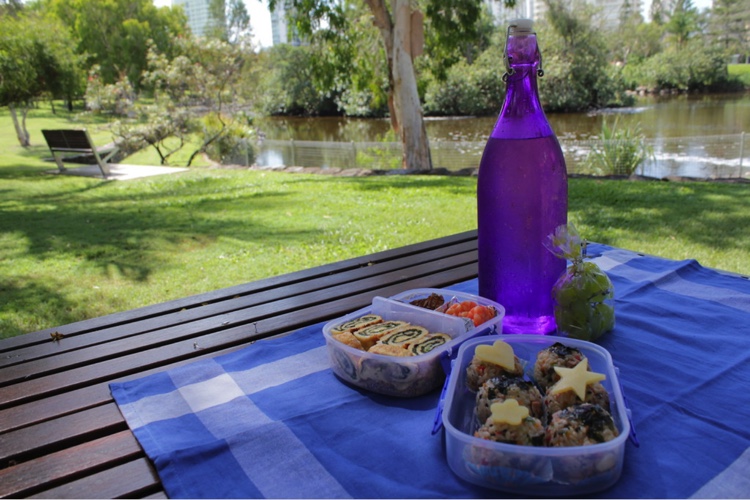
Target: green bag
584,294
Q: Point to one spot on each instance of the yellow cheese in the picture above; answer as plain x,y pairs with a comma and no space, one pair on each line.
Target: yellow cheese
576,379
500,353
509,412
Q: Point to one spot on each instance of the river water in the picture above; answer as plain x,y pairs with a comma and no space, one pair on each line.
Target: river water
695,136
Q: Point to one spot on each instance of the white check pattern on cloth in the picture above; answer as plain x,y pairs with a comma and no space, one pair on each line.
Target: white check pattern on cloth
200,395
205,398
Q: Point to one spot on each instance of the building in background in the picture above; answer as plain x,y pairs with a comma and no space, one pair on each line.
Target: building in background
609,12
198,15
280,27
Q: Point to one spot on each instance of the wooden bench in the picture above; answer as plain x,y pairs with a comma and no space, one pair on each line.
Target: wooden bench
77,141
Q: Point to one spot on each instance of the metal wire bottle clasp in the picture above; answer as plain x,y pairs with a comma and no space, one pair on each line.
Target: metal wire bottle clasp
509,59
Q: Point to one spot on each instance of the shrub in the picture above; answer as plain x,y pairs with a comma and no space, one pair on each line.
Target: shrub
695,66
116,99
470,89
619,152
234,143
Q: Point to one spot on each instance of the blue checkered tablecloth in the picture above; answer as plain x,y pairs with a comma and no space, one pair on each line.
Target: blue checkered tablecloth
271,420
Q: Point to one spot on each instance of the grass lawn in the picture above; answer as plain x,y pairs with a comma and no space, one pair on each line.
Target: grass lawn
742,71
74,248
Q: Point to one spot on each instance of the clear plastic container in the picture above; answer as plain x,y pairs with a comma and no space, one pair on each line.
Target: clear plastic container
414,375
530,470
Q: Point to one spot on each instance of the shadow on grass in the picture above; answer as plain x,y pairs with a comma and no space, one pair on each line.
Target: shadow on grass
124,233
18,294
709,214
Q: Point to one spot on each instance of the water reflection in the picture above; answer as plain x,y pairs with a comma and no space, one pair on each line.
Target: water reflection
685,131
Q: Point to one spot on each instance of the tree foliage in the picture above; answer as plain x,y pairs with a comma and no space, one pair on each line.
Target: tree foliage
575,59
693,66
231,21
36,59
729,27
116,34
288,83
473,88
682,24
197,92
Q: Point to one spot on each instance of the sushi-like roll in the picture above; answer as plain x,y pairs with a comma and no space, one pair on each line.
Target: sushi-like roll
356,324
511,423
349,339
498,389
428,343
580,425
595,394
404,336
371,334
390,350
555,355
492,361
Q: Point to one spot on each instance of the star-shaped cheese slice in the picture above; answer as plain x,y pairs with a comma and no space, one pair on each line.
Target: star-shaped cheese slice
509,412
576,379
500,353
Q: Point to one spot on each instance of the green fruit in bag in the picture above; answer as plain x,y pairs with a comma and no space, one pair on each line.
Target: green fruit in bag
584,294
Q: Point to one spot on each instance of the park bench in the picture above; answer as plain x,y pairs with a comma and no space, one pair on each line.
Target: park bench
63,141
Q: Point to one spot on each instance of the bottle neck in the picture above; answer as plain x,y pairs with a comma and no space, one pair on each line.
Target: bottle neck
521,92
522,115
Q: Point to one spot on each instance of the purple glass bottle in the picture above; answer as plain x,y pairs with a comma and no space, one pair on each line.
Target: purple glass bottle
522,196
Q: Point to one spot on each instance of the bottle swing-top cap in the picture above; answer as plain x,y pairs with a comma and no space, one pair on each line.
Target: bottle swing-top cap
520,27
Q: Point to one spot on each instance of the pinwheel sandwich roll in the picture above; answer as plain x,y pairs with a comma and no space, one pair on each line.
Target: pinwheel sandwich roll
430,342
369,335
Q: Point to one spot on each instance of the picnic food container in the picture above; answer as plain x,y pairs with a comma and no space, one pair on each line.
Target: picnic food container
532,470
410,376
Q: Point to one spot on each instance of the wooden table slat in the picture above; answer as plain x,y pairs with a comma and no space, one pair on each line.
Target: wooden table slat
31,442
133,479
69,402
28,478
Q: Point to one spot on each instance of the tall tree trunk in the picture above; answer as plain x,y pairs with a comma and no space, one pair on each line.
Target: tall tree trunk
21,132
406,110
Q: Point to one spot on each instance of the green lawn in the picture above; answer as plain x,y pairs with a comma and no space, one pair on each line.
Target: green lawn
73,248
742,71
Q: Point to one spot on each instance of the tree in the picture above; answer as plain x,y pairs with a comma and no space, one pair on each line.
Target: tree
634,40
11,7
231,22
195,92
115,34
401,27
35,58
683,23
287,82
729,26
575,57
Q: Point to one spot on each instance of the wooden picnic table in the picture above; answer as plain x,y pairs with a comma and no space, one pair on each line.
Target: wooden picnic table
61,433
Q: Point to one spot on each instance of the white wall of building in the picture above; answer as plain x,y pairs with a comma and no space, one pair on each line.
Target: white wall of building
608,10
197,13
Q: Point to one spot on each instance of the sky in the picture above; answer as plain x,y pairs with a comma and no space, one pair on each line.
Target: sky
260,18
